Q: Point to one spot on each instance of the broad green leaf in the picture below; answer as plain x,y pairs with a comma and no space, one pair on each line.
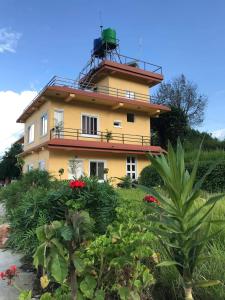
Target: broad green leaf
124,293
134,295
206,283
79,264
66,233
99,295
41,234
87,286
46,296
25,295
59,267
39,256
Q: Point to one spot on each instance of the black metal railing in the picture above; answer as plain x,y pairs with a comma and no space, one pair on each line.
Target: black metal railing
111,91
100,136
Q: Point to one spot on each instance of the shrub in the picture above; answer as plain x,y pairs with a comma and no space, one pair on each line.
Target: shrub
214,182
36,200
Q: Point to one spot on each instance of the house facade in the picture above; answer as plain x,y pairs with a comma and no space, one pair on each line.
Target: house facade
96,126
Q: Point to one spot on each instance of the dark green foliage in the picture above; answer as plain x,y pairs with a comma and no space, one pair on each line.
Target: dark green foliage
149,177
168,127
101,201
36,200
126,182
214,182
9,169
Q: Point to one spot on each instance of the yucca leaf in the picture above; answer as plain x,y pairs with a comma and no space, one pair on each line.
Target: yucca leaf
168,263
206,283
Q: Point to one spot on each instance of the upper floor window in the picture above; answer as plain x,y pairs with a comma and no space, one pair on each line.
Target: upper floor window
89,125
30,134
130,94
130,117
44,124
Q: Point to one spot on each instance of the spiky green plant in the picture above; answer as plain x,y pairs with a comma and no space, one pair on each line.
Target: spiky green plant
184,221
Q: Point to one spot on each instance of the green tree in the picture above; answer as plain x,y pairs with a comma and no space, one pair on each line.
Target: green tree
9,167
168,127
184,95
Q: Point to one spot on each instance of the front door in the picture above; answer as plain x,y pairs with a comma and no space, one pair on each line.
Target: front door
59,123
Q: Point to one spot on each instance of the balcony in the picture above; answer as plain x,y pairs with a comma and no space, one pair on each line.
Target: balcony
101,141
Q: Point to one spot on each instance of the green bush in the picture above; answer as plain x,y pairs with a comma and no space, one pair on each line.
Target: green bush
215,181
36,200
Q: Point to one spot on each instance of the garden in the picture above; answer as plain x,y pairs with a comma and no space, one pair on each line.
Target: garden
162,238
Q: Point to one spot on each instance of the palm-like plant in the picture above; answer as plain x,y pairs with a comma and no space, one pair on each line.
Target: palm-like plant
183,220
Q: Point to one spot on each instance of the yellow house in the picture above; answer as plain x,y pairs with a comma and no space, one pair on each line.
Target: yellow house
98,125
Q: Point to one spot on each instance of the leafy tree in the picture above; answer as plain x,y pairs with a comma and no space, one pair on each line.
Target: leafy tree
9,167
184,223
169,126
183,94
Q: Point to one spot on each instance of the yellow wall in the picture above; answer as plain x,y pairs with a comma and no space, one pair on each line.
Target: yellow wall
115,162
106,117
35,119
33,159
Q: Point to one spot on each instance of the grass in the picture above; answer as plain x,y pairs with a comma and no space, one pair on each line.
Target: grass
168,281
208,156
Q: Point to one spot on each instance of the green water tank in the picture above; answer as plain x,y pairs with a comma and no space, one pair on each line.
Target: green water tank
109,36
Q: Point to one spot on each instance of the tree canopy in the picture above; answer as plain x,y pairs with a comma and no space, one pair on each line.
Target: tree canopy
183,94
9,168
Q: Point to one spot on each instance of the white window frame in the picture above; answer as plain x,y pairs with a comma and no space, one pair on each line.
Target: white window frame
70,175
41,165
131,164
29,141
130,94
98,125
117,121
30,167
60,135
43,125
97,161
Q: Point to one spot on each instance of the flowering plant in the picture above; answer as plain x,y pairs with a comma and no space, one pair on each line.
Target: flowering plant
77,184
151,199
9,274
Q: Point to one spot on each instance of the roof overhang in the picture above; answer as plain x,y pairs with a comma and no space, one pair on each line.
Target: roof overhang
73,95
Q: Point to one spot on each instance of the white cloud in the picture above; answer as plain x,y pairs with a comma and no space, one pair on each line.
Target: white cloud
219,134
12,105
8,40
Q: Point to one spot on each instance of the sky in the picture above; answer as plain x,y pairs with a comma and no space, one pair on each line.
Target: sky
43,38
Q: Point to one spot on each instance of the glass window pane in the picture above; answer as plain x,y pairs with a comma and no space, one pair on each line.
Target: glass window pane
133,159
101,170
93,168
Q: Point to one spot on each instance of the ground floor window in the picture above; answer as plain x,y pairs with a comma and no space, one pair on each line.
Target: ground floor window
97,169
30,167
41,165
131,167
75,168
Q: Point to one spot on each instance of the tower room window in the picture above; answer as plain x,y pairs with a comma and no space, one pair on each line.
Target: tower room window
97,169
89,125
30,133
131,167
130,94
130,117
44,124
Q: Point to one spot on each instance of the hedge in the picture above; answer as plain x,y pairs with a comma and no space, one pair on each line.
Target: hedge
214,182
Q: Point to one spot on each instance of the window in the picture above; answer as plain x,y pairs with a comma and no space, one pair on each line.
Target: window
30,136
131,167
89,125
97,169
44,124
75,168
41,165
30,167
130,117
117,124
130,94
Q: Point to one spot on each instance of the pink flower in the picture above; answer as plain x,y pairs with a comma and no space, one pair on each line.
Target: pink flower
151,199
77,184
2,275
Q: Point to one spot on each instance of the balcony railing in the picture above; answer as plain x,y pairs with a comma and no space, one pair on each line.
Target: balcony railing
99,136
111,91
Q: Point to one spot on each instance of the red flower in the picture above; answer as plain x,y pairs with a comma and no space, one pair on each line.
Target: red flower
2,275
151,199
13,268
77,184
